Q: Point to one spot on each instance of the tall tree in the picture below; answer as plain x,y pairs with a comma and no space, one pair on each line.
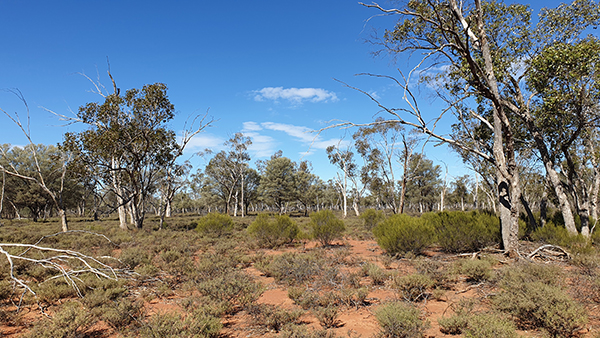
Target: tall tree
277,182
239,159
423,183
128,143
379,145
481,45
37,176
343,159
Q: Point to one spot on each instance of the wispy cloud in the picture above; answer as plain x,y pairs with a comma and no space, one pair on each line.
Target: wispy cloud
250,126
294,95
205,141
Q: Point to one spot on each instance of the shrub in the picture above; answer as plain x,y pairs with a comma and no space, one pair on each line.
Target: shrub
371,218
486,325
271,234
400,320
413,287
476,270
377,274
326,227
327,316
459,231
69,322
273,317
215,224
458,322
402,234
531,294
295,268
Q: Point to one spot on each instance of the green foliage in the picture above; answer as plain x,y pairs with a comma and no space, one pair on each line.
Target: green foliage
486,325
533,295
400,320
413,288
197,324
558,235
476,270
402,233
326,227
371,218
270,234
459,231
273,317
71,321
215,224
234,287
377,274
294,268
327,316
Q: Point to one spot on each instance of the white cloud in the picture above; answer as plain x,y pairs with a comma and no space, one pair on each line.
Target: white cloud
250,126
294,95
299,132
204,141
304,135
262,145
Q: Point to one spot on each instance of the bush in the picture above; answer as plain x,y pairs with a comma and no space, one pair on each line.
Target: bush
402,234
459,231
399,320
486,325
197,324
69,322
414,287
326,227
215,224
531,294
295,268
371,218
476,270
271,234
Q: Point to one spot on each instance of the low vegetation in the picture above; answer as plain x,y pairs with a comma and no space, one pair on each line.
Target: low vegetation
206,277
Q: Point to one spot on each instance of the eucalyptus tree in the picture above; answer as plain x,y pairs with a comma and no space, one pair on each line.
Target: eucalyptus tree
343,159
483,49
380,145
460,195
239,158
128,143
306,185
37,177
564,77
278,181
423,184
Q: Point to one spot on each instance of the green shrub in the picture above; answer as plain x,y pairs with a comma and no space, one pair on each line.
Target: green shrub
371,218
486,325
459,231
273,317
295,268
270,234
327,316
476,270
215,224
377,274
326,227
531,294
234,287
413,287
401,234
400,320
71,321
437,271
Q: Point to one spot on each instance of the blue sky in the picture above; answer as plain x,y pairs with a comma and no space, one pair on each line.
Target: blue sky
266,68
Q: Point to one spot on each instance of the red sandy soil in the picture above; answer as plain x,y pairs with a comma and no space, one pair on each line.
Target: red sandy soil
353,322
